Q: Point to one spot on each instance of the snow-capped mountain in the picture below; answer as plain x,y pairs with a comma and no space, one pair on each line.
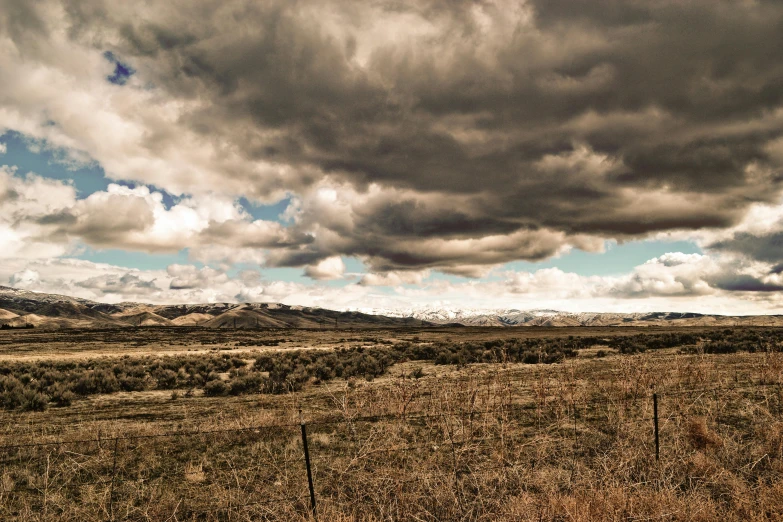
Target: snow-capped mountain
515,317
471,316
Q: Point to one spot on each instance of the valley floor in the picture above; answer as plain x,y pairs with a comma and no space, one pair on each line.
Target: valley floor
573,440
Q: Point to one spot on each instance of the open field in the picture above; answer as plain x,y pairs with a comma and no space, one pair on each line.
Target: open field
37,344
424,424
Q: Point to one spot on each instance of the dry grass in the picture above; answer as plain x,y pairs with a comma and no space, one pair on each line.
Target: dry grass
565,442
700,436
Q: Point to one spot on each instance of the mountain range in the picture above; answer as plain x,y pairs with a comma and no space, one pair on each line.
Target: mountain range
19,308
552,318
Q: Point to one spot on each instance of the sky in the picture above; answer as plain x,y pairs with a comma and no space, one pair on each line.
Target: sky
599,155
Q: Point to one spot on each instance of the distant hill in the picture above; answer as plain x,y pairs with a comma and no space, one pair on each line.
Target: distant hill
52,311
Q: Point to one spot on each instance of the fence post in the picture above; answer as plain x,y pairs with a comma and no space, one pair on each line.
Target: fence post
307,464
655,421
113,476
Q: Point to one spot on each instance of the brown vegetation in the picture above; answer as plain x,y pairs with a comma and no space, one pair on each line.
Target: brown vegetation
476,441
700,436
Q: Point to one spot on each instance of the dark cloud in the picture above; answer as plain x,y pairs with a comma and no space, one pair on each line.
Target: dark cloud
62,217
411,218
539,122
259,234
746,283
767,248
8,195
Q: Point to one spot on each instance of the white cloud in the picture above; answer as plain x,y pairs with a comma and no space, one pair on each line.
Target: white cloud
673,282
178,284
226,254
42,218
394,278
329,268
188,277
120,285
23,203
25,279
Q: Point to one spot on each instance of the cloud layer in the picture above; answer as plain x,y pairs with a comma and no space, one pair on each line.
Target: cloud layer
672,282
413,135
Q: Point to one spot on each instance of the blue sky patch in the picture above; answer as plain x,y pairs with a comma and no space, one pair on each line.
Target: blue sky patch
354,265
266,212
619,258
134,259
122,71
47,162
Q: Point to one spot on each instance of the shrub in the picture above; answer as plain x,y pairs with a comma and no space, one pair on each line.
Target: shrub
12,393
215,388
249,383
34,401
166,379
722,347
61,395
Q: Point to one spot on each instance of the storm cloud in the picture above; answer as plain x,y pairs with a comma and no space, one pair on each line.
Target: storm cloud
420,135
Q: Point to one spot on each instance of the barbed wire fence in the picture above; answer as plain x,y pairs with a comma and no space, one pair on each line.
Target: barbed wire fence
273,470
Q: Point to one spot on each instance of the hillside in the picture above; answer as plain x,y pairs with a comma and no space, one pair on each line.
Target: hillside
51,311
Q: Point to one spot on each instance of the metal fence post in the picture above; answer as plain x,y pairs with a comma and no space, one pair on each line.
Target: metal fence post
113,476
307,464
655,421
